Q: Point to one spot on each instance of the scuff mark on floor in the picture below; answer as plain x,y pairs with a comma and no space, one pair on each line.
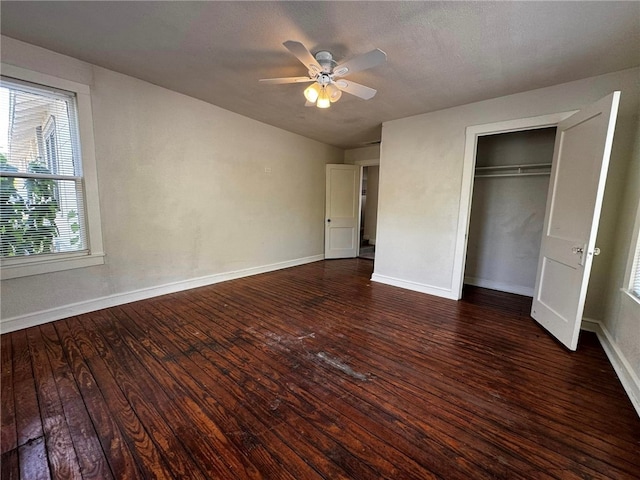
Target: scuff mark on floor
343,367
311,335
274,404
284,342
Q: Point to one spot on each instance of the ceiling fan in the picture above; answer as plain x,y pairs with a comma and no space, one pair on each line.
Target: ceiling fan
326,74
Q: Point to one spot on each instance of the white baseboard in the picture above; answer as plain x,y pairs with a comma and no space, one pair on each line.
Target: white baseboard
621,365
44,316
590,325
502,287
415,286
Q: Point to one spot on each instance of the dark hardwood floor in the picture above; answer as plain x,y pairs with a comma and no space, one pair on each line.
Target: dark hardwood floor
311,372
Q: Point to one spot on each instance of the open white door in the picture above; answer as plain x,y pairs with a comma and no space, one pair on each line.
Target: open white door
341,211
580,164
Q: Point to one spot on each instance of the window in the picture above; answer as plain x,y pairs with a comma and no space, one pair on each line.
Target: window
49,217
635,275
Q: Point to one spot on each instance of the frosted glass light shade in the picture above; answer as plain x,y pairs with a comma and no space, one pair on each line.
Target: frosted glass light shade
312,92
323,99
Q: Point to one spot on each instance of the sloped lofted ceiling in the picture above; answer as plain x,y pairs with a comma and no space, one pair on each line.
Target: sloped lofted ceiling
440,54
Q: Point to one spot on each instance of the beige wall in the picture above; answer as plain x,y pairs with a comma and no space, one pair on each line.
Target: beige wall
622,313
183,190
364,154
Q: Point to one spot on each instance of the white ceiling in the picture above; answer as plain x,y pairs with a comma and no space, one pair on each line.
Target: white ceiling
440,54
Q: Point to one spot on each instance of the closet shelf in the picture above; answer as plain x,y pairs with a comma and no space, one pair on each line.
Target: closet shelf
524,170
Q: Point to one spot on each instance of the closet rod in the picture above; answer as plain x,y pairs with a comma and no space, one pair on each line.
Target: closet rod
509,167
527,174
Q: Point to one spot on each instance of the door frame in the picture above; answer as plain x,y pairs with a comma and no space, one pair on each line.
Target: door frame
468,168
372,162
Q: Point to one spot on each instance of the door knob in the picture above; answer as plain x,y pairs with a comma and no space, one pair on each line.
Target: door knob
596,251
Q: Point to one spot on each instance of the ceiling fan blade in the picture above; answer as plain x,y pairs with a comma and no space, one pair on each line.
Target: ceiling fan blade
356,89
304,55
368,60
278,81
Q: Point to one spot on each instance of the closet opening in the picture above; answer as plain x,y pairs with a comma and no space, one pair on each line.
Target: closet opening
508,204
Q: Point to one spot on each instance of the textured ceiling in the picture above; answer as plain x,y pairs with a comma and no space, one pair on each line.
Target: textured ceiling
439,54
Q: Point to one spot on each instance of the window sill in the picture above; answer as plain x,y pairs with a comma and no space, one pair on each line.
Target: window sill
52,263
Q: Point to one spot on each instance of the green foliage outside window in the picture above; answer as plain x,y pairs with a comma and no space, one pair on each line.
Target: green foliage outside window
27,224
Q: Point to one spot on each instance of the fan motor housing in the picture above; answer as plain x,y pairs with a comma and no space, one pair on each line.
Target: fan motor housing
325,59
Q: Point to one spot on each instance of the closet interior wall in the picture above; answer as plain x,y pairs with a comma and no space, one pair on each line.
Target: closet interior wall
508,208
370,218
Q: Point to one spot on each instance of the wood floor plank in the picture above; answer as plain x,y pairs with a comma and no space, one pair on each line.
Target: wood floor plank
225,373
303,406
148,459
34,461
28,419
59,444
179,410
313,372
114,444
91,458
9,466
151,403
8,433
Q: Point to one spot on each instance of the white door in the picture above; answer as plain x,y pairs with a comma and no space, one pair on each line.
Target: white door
342,211
580,163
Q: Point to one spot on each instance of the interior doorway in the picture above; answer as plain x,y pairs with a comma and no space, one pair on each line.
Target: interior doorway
368,211
473,134
579,169
511,182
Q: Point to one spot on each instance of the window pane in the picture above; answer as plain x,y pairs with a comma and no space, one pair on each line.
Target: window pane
37,129
40,217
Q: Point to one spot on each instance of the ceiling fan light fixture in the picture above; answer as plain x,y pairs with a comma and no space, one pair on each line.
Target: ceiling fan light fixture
312,92
323,70
323,99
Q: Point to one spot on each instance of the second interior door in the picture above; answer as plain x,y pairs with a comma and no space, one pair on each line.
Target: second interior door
342,219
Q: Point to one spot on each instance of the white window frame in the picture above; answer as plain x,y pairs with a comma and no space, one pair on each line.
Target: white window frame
38,264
